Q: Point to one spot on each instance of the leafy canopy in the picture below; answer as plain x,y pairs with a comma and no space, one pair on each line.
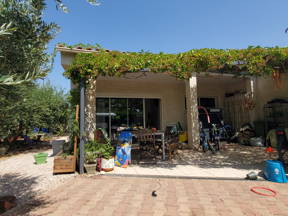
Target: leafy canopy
255,61
26,106
23,55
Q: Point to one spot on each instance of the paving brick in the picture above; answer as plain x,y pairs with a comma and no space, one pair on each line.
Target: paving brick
104,196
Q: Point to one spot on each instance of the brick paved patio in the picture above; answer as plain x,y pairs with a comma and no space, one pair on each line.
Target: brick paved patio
107,195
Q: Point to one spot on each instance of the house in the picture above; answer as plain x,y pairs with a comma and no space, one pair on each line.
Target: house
146,99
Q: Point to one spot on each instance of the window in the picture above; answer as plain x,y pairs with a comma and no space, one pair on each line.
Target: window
112,113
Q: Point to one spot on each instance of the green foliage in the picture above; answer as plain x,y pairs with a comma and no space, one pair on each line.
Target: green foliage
95,150
256,61
6,29
64,8
25,106
23,51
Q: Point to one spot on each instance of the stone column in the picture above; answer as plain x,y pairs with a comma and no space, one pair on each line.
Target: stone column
250,88
192,112
90,108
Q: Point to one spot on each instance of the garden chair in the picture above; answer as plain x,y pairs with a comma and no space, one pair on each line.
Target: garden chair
146,140
171,141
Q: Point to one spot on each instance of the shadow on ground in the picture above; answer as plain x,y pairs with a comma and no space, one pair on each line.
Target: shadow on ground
230,156
22,188
20,147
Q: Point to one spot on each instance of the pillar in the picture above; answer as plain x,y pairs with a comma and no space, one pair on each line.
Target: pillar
192,112
250,88
90,108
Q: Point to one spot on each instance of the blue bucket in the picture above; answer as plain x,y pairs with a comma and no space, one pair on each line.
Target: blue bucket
274,171
125,136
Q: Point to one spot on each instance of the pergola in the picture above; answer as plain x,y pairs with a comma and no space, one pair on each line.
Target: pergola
88,64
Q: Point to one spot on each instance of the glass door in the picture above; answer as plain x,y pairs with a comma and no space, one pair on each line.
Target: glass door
152,113
103,114
114,113
119,109
135,112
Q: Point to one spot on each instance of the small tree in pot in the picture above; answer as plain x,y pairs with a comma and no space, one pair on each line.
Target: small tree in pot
90,157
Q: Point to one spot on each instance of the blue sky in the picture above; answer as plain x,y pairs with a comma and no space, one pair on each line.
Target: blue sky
170,26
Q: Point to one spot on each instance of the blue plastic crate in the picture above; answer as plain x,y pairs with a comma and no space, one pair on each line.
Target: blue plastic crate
274,171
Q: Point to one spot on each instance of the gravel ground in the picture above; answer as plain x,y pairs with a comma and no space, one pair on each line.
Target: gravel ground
19,176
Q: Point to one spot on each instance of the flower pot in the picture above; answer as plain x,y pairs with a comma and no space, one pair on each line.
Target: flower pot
107,165
65,164
90,168
98,167
40,158
3,149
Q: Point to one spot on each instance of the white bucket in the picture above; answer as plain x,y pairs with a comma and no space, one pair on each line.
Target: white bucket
107,165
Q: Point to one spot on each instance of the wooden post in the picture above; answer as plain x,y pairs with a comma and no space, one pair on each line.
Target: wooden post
75,138
67,164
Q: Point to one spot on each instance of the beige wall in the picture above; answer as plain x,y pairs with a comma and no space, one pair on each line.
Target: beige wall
170,92
266,90
217,87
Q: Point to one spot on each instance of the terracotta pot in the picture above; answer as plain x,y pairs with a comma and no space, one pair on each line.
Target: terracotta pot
98,167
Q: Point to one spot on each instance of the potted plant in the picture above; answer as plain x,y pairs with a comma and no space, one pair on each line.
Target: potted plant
3,149
91,152
107,160
90,162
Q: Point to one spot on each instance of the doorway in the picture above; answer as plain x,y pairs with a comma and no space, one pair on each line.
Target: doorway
113,114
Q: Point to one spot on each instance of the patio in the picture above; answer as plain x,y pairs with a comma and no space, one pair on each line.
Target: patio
103,195
233,161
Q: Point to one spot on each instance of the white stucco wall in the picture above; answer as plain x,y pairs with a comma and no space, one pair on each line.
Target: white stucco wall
267,90
217,87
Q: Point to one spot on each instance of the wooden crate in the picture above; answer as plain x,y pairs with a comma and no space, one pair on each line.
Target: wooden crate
65,164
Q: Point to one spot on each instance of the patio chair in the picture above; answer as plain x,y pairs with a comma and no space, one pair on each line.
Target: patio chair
146,140
171,141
